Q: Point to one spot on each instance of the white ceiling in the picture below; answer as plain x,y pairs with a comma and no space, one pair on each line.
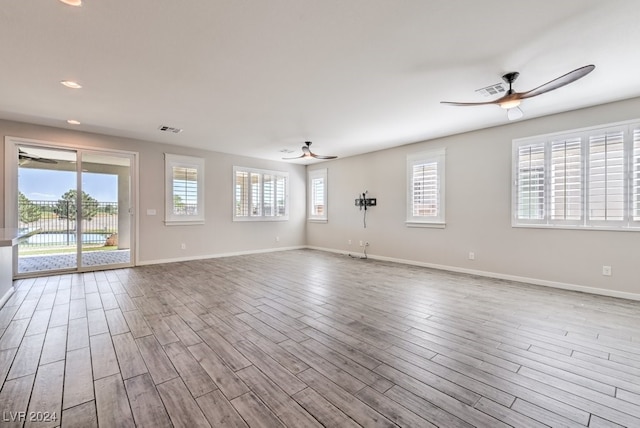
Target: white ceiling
253,77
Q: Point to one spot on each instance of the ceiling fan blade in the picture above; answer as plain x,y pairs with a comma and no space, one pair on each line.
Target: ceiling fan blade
26,156
295,157
453,103
561,81
322,157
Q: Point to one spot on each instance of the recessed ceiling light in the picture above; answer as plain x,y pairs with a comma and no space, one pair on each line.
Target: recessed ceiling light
73,122
72,2
71,84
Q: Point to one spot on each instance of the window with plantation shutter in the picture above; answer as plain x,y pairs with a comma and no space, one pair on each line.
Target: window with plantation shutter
184,190
579,179
606,180
241,194
531,182
566,181
425,189
317,195
260,194
635,177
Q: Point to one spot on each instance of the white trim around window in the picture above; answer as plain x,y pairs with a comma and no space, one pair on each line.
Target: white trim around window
184,190
426,189
260,195
582,179
317,195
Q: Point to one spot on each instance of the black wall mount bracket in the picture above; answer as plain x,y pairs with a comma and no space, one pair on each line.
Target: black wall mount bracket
366,202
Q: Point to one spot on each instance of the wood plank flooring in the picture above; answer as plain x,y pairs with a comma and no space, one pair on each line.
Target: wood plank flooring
307,339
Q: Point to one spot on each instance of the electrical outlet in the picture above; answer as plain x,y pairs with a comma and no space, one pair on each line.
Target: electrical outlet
472,255
183,246
606,270
277,239
361,243
349,241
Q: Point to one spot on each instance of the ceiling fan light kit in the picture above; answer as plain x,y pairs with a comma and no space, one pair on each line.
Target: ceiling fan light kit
72,2
512,99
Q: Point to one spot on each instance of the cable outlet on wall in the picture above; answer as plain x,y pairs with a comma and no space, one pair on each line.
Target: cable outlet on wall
183,246
472,255
606,270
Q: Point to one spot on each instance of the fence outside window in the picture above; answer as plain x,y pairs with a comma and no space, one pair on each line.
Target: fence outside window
54,223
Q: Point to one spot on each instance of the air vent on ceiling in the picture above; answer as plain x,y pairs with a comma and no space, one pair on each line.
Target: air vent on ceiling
285,151
492,90
169,129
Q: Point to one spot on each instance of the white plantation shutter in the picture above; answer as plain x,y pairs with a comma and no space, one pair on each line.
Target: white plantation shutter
530,182
260,194
281,196
317,196
242,193
606,180
426,187
184,190
269,198
635,176
317,180
566,180
585,179
256,194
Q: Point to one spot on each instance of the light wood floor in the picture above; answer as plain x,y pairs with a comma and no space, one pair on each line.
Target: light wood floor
306,338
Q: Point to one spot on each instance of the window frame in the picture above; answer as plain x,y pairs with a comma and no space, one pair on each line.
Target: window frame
437,156
312,175
261,173
181,161
586,136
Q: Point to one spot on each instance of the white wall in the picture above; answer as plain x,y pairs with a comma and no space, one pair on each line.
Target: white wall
478,212
477,220
219,235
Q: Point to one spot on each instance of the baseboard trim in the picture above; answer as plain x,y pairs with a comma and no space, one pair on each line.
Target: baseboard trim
6,296
216,256
496,275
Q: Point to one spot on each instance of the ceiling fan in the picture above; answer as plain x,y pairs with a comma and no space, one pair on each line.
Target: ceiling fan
307,153
24,158
512,99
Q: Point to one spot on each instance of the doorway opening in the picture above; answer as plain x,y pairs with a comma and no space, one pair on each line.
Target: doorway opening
74,207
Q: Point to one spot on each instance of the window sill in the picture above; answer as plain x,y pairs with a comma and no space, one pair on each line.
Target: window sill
425,224
573,227
317,220
260,219
183,223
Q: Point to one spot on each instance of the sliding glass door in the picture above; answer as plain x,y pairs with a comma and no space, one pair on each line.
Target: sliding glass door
106,210
47,181
74,208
